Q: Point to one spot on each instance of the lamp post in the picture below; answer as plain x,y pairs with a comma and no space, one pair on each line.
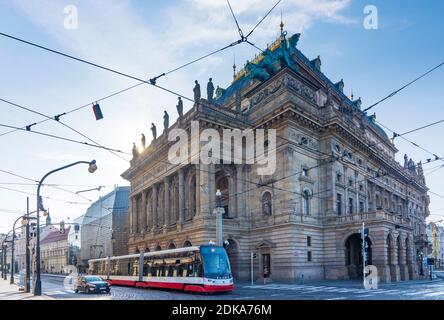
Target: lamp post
92,167
27,253
4,247
219,219
11,280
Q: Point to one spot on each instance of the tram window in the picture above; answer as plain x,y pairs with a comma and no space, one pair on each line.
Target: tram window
170,271
190,271
153,272
135,267
162,271
180,270
146,269
199,269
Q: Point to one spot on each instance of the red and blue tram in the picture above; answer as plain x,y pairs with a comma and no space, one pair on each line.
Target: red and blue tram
203,268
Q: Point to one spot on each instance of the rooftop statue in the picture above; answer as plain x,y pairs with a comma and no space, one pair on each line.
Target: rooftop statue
196,91
219,92
166,121
179,108
210,90
143,141
274,59
154,131
135,153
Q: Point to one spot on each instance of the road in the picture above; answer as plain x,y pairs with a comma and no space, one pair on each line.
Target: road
326,290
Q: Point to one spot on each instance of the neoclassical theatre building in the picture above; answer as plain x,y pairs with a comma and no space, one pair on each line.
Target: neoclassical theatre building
336,169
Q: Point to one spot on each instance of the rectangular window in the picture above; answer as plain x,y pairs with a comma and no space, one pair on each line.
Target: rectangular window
305,172
361,206
350,205
309,256
308,241
339,203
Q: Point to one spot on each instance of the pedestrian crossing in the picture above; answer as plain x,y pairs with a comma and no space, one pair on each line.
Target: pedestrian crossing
343,293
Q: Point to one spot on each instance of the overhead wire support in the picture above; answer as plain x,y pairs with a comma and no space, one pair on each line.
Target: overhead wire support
241,34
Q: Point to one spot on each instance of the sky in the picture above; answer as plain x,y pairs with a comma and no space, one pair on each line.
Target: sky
147,38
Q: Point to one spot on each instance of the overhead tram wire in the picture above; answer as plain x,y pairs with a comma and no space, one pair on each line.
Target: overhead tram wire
49,198
152,81
403,87
35,181
81,107
396,135
241,34
57,119
64,139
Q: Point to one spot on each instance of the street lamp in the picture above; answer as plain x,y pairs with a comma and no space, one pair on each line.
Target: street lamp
92,167
11,280
219,215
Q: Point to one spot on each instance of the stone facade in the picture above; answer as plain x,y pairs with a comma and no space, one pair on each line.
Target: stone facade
336,169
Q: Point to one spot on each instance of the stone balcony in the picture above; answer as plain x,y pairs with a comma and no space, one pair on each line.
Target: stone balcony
369,217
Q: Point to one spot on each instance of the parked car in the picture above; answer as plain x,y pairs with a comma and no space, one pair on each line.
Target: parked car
92,284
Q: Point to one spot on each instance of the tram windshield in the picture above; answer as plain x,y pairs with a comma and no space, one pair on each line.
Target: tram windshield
216,263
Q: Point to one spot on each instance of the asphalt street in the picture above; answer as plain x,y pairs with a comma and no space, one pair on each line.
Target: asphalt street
326,290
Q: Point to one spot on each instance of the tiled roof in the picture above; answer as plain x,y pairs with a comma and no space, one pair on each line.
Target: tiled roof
55,236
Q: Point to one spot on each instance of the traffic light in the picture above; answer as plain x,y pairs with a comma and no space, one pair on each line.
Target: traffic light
41,208
62,226
97,111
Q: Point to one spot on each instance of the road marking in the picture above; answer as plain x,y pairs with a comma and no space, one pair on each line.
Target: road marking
434,294
416,293
365,296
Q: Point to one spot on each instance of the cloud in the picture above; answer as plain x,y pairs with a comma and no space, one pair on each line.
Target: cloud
207,21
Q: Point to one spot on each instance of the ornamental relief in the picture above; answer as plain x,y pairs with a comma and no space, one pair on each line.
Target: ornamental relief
303,140
286,82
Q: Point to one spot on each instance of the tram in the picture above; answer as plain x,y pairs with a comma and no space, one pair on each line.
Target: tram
203,268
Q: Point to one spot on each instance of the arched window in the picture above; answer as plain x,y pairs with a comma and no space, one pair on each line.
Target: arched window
223,184
267,207
187,244
306,202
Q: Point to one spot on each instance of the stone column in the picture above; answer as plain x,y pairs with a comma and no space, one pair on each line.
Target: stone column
197,192
181,197
241,189
154,204
232,195
143,213
149,212
136,214
131,219
212,185
167,203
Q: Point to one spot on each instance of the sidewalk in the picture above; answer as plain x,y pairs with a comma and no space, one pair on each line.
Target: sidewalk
11,292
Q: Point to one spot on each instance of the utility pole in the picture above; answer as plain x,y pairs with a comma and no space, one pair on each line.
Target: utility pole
27,252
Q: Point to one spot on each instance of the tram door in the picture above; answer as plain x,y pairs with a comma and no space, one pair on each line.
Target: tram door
266,265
